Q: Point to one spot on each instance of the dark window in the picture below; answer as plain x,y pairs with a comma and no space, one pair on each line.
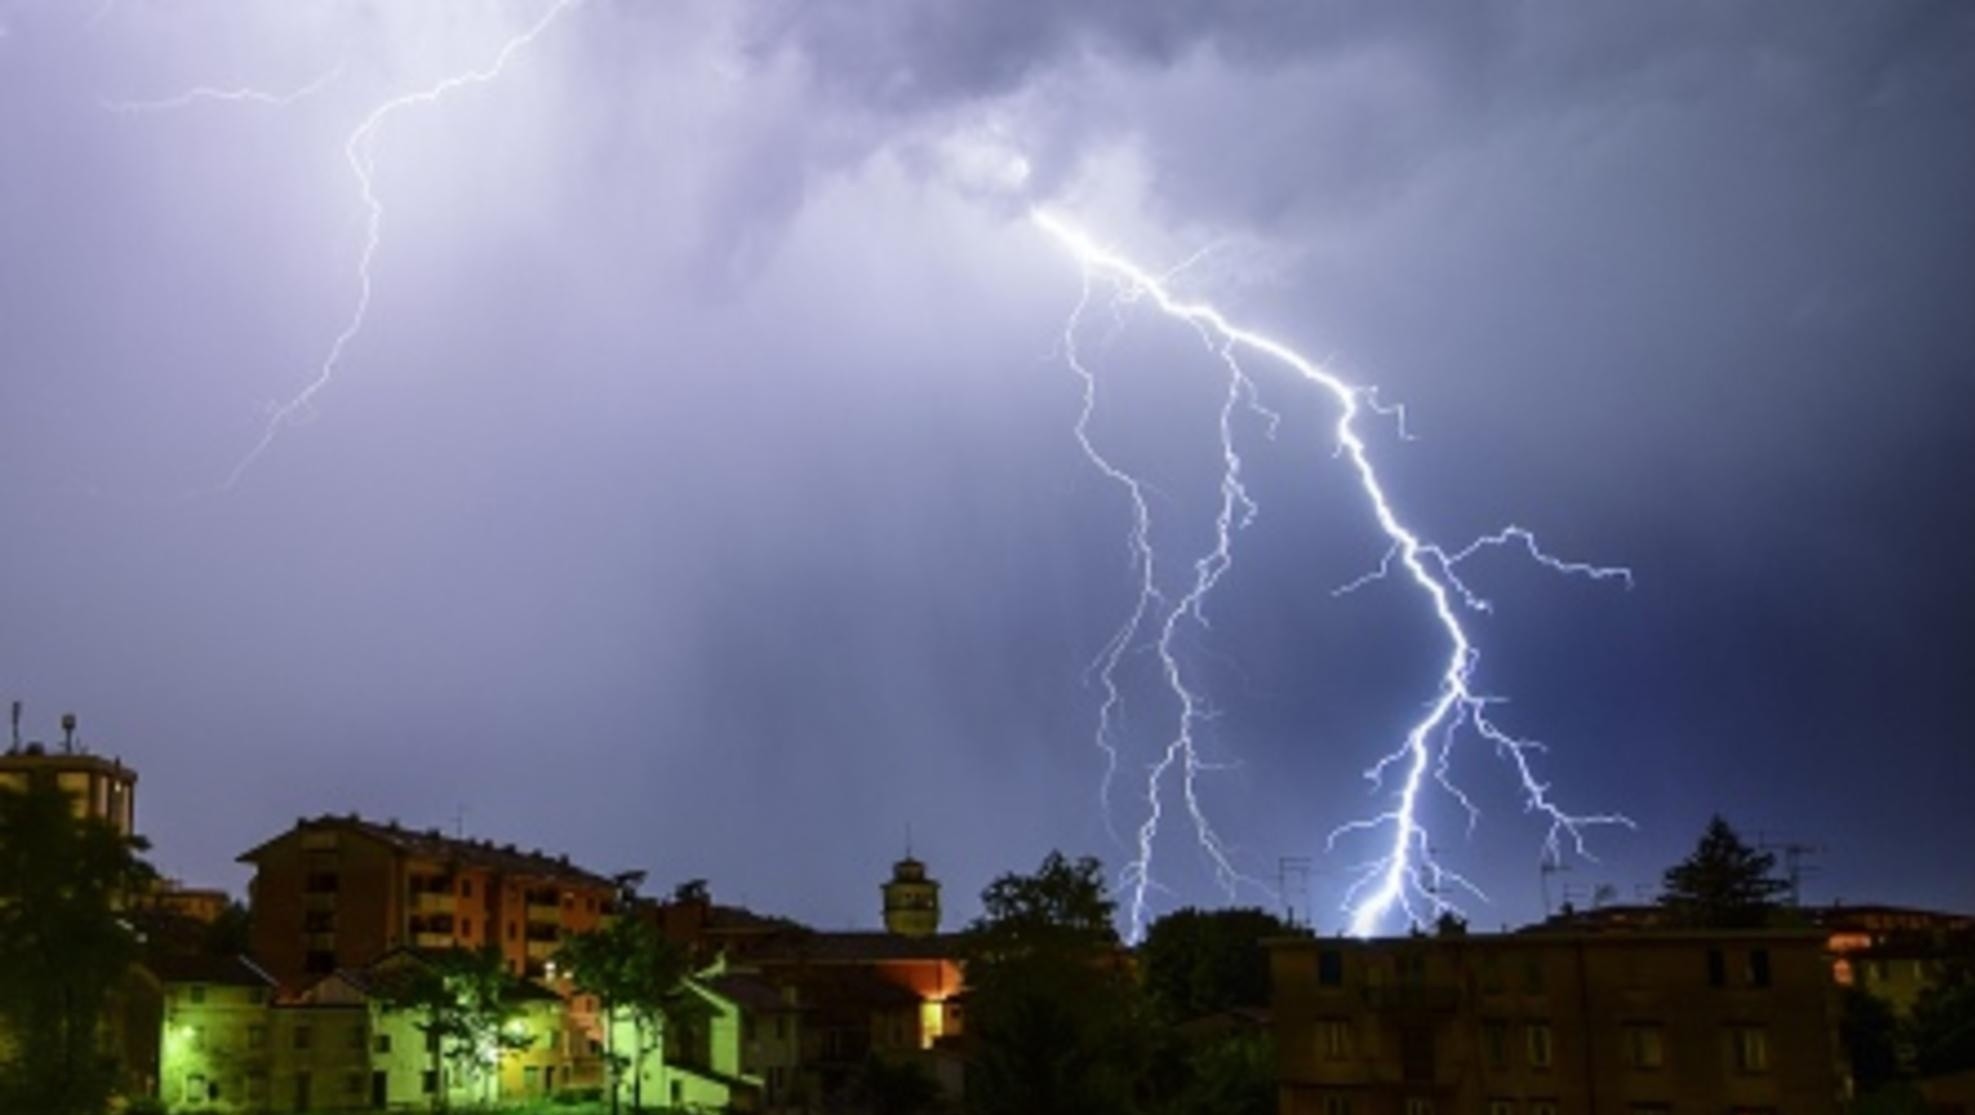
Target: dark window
1717,968
319,921
1330,968
1416,1053
302,1037
197,993
320,963
466,888
321,882
1759,967
429,1080
466,927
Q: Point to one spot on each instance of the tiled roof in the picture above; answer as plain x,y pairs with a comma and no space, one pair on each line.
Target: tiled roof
435,845
857,946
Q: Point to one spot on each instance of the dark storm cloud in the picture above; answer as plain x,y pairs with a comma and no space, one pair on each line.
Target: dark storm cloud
701,495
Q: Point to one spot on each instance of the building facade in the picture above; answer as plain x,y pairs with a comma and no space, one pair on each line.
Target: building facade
1546,1023
340,892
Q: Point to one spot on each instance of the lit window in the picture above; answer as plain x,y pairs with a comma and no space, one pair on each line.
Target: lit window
1749,1048
1645,1046
1538,1036
1334,1038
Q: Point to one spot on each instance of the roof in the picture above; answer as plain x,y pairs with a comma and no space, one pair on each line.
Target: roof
747,992
432,844
860,946
229,971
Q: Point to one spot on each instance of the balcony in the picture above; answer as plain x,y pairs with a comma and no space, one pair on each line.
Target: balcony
543,950
432,940
431,902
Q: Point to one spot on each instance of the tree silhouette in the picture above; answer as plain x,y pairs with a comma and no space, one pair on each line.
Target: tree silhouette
64,946
1723,884
1056,1022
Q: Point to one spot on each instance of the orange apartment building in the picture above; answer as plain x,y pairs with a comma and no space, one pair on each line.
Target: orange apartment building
1552,1022
340,892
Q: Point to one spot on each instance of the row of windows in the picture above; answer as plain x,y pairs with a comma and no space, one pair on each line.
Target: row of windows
1504,1044
1411,966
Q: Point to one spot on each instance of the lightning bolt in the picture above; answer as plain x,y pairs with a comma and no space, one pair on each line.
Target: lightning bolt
236,96
359,153
1406,878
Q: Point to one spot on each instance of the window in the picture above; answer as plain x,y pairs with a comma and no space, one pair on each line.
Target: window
1542,1107
1749,1048
1501,1107
1717,968
1532,975
1416,1105
1337,1105
302,1037
382,1044
257,1037
513,931
1495,1044
359,1041
1330,968
466,927
1333,1038
196,994
320,963
1538,1041
1645,1045
428,1081
466,888
1758,967
353,1082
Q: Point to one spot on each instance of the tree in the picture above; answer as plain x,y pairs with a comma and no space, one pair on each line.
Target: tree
463,998
1869,1030
1234,1074
1198,962
635,973
64,945
1057,1024
1723,884
1943,1022
885,1087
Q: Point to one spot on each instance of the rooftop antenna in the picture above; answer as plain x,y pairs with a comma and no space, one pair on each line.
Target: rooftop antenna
1549,865
17,726
68,733
908,840
1795,855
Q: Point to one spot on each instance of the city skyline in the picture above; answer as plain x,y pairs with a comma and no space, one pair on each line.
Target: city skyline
701,492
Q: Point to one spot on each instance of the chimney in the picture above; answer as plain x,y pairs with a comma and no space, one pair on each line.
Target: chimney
68,733
17,727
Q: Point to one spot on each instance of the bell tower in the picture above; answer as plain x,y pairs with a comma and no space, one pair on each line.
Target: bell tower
911,900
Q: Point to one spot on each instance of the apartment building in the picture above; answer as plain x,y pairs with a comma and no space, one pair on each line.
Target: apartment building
340,892
1557,1023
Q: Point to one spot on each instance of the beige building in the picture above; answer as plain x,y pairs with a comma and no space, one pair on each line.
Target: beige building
101,788
1547,1023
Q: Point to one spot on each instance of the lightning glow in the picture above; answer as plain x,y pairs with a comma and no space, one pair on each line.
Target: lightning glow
1405,878
358,152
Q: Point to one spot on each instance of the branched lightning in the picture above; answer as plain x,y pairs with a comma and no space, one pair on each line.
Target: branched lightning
1406,877
358,152
237,96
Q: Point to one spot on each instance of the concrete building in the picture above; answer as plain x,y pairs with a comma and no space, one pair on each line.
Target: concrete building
340,892
101,788
1549,1022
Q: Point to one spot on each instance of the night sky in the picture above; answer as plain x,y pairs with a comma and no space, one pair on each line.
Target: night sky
701,492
